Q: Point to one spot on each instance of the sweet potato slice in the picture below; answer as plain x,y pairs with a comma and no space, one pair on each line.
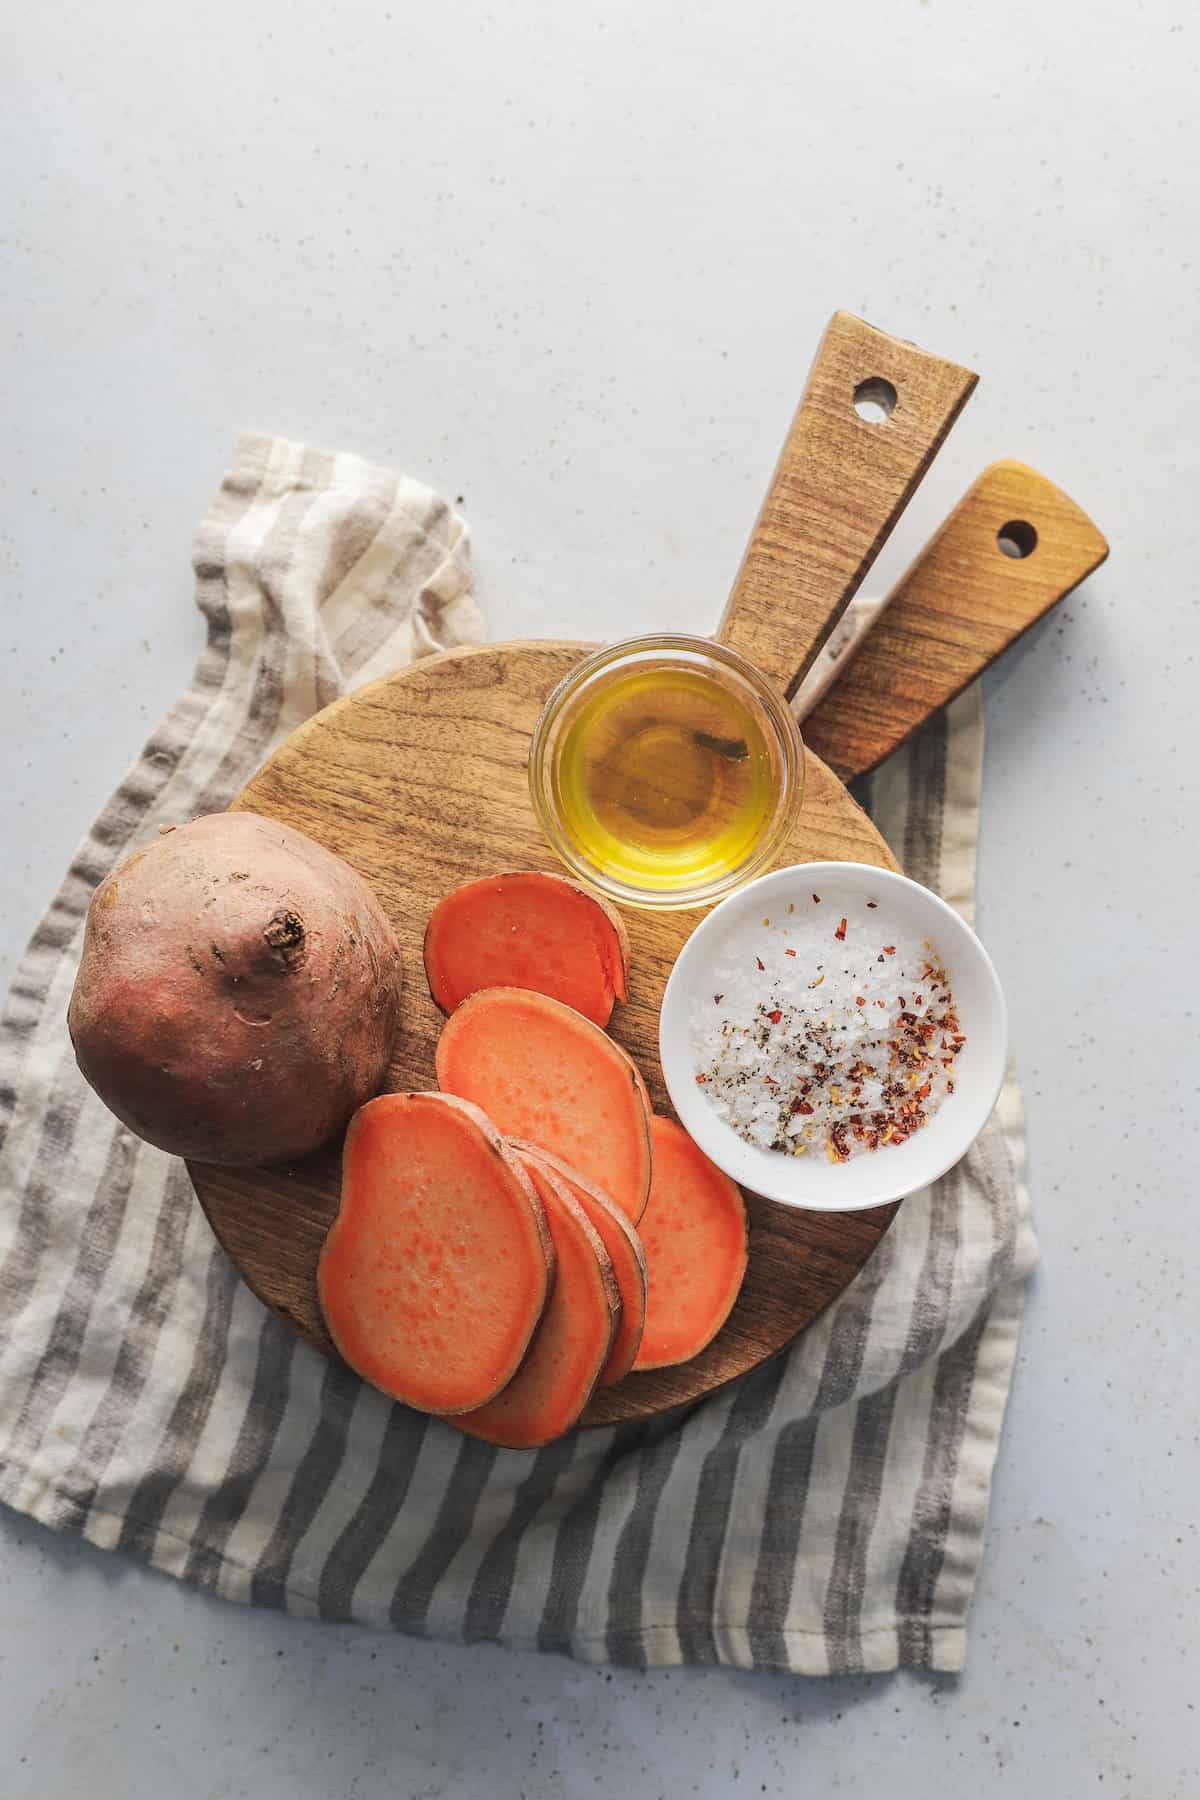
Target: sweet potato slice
437,1268
694,1235
625,1253
547,1074
528,930
573,1341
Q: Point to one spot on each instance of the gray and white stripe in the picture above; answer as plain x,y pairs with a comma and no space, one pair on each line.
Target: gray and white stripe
825,1514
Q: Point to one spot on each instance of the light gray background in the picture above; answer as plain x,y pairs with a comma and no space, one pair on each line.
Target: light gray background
569,262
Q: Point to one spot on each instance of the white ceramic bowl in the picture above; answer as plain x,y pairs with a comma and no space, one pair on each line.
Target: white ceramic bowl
878,1176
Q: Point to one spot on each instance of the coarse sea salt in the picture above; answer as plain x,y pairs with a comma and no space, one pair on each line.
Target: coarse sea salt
825,1034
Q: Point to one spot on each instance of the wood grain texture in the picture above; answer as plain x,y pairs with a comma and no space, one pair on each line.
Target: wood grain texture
960,605
419,781
839,487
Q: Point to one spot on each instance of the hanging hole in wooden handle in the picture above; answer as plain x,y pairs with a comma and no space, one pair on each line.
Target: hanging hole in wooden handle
1017,539
875,400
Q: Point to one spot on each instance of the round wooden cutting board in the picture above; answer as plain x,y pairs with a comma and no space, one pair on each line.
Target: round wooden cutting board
419,781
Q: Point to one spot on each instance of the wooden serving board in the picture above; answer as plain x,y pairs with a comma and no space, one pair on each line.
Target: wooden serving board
419,781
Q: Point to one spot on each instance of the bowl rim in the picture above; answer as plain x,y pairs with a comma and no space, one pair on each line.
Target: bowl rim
720,1142
780,718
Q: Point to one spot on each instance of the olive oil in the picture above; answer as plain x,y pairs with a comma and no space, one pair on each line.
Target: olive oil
664,777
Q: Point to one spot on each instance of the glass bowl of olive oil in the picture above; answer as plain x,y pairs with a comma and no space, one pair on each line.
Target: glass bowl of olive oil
666,770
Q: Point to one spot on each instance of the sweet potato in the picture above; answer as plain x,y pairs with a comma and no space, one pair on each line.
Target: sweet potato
437,1268
694,1234
547,1074
573,1341
238,993
528,930
625,1253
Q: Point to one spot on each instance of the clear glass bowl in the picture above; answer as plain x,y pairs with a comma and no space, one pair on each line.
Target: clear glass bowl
784,756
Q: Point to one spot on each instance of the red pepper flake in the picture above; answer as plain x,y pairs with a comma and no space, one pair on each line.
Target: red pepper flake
761,964
700,1080
889,949
839,1149
859,1000
817,899
789,953
717,999
840,933
774,1018
804,1107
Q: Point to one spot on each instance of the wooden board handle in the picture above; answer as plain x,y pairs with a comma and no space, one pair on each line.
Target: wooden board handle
1012,548
842,481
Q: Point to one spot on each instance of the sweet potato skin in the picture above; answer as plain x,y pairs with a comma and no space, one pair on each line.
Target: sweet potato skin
238,992
523,928
427,1271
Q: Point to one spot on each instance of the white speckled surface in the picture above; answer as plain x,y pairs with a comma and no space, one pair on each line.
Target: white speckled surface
570,262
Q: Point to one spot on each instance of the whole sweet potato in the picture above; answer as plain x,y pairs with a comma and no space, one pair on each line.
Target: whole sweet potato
238,992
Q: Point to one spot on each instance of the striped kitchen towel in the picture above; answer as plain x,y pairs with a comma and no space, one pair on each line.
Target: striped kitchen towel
824,1514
